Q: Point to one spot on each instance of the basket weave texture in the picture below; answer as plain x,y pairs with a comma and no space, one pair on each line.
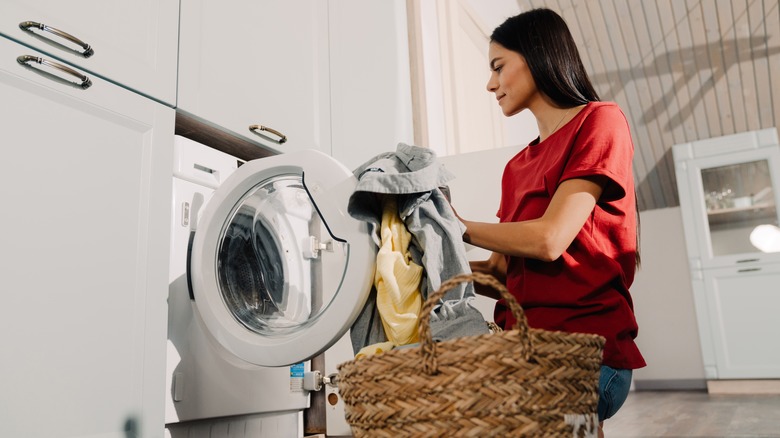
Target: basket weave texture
519,382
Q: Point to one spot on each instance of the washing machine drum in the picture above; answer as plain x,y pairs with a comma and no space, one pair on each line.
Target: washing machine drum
252,268
279,271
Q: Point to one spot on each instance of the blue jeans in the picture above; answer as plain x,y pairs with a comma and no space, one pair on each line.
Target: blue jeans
613,390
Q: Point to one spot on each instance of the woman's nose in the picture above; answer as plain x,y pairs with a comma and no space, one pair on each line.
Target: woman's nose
492,84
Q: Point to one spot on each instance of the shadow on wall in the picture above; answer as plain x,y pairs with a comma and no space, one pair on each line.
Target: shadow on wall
685,70
708,63
649,191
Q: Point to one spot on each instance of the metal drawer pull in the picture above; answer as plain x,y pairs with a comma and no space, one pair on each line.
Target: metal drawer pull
255,128
85,82
747,260
748,270
26,25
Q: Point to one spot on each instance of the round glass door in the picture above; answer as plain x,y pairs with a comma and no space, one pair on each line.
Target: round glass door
279,274
264,278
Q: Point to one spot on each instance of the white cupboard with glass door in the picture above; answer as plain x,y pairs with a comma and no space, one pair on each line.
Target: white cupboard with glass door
84,234
729,194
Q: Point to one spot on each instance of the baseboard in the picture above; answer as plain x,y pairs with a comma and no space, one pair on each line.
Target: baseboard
743,386
670,385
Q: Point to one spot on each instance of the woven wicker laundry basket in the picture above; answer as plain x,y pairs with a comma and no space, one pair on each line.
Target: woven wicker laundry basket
519,382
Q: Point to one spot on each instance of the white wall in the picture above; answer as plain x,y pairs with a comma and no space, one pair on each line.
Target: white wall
519,130
663,303
475,196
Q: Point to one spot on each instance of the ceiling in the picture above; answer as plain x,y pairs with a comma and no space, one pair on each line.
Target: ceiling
681,70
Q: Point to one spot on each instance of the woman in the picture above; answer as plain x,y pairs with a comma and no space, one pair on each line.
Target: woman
567,241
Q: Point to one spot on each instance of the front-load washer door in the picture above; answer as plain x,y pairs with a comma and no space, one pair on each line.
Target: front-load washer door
279,271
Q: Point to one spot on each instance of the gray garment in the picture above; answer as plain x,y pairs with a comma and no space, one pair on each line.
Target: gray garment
414,175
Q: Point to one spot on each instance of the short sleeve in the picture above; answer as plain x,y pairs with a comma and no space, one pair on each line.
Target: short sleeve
603,147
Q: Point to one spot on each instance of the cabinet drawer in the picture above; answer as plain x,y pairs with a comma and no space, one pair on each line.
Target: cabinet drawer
740,306
134,42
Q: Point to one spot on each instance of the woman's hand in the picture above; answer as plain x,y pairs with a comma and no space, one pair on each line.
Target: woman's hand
495,266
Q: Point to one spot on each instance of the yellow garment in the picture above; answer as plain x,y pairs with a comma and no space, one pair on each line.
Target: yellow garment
397,279
374,349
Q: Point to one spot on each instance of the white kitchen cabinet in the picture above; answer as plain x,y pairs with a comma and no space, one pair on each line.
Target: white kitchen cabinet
134,42
325,75
729,194
371,98
261,64
84,242
738,307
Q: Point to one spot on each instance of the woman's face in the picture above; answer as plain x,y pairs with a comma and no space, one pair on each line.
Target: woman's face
510,80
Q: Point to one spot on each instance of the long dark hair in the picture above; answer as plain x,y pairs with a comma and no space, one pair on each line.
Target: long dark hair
542,37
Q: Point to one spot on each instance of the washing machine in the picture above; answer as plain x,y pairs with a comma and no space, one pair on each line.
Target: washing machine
267,271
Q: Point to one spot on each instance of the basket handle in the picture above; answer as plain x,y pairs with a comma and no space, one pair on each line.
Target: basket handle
428,347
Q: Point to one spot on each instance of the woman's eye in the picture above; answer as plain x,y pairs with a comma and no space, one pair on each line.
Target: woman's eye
498,68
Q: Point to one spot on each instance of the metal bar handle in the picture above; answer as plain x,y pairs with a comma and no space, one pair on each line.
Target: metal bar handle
282,137
747,260
88,51
748,270
85,81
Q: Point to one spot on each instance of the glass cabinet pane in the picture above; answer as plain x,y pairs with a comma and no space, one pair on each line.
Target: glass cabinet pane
738,199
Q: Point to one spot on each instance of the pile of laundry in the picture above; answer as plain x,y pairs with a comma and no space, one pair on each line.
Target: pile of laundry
402,197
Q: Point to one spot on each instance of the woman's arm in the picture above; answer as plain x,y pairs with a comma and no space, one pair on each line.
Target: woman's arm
547,237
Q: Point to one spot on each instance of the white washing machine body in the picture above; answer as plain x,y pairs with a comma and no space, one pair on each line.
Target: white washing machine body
267,271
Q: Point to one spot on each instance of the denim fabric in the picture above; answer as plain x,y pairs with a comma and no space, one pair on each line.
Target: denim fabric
414,174
614,385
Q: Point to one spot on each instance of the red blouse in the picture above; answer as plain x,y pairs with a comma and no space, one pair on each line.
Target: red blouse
586,290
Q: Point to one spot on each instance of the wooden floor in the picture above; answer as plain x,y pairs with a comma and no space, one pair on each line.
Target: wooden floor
695,414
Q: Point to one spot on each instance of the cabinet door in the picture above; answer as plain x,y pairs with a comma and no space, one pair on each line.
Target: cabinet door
84,232
741,311
261,64
371,96
135,42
